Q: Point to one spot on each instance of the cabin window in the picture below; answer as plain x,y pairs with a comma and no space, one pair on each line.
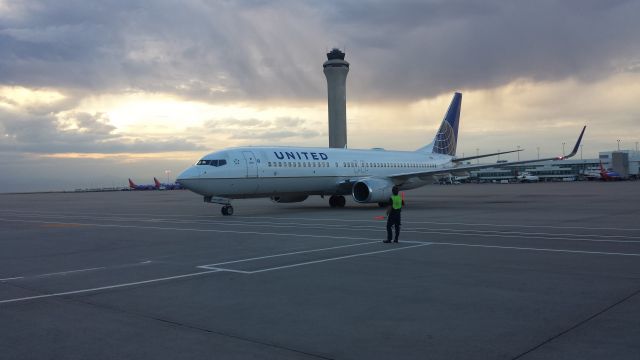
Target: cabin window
204,162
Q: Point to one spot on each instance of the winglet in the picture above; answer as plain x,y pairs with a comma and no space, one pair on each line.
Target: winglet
157,183
575,148
132,184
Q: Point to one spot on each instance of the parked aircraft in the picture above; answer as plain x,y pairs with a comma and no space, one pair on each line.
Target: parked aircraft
526,176
161,186
133,186
292,174
608,175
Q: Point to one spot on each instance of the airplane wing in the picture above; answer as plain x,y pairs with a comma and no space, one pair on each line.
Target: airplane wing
461,169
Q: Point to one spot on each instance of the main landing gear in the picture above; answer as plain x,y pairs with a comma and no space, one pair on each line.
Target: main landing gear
337,201
227,209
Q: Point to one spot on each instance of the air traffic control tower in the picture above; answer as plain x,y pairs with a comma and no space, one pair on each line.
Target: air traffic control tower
336,70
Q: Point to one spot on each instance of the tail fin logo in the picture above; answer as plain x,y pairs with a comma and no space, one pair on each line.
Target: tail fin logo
446,139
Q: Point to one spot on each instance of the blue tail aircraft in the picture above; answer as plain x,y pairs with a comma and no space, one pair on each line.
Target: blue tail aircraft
291,174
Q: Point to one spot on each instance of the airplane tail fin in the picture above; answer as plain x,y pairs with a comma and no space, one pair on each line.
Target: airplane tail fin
132,185
155,181
446,138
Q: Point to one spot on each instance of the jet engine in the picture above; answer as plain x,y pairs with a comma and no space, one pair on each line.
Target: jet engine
289,198
371,190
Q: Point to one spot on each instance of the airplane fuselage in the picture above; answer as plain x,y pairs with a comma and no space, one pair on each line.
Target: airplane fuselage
271,171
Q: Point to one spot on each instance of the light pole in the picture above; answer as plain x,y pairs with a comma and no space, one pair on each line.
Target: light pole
478,153
563,148
167,172
618,144
538,152
518,152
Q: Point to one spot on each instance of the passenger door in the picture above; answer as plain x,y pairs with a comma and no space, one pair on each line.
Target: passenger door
252,165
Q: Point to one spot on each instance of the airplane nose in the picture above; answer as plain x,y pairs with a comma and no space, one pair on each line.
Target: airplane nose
188,174
191,179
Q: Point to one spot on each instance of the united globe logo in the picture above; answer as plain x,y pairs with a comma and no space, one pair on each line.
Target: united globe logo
445,142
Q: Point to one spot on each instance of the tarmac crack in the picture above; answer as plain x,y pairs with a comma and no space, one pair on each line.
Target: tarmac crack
179,324
199,328
577,325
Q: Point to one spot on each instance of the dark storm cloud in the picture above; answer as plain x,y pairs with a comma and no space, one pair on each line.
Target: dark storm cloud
274,49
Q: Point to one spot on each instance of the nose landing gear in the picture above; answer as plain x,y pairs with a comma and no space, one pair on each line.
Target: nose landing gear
227,209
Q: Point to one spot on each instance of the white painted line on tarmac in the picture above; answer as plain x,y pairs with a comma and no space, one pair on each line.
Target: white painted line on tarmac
290,253
523,235
454,232
106,287
336,258
537,249
191,229
224,269
76,271
314,261
67,272
213,220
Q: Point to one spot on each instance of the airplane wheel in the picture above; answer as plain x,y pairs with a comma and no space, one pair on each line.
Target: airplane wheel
337,201
332,201
227,210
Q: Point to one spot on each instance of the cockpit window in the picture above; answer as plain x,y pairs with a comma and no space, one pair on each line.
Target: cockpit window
212,162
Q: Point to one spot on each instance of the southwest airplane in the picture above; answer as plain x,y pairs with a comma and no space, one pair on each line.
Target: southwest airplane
291,174
168,186
608,175
134,186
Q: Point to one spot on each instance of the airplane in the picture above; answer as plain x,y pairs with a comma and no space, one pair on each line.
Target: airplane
608,175
526,176
133,186
161,186
292,174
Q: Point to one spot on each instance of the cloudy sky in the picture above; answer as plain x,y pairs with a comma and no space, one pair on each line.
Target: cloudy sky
94,92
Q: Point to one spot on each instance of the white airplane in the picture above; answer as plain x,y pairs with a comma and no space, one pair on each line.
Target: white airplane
527,177
292,174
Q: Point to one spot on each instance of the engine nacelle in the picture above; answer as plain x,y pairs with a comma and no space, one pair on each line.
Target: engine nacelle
289,198
372,190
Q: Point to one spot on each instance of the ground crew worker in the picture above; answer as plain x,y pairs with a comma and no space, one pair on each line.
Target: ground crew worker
393,214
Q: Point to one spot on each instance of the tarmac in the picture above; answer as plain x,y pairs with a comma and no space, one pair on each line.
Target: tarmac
482,271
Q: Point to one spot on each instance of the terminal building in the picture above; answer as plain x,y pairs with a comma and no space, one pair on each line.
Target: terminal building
624,162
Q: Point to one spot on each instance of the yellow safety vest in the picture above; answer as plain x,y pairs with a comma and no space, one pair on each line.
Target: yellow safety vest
396,202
